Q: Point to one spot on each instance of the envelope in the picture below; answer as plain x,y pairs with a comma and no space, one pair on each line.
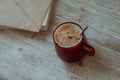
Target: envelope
24,14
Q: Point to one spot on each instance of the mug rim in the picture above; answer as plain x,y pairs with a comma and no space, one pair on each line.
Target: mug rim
71,46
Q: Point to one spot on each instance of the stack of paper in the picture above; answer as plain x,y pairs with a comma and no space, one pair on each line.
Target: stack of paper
31,15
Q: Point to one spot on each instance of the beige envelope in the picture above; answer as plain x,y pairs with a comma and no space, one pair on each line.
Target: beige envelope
23,14
45,23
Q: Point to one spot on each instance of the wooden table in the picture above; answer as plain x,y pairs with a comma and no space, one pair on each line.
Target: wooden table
31,56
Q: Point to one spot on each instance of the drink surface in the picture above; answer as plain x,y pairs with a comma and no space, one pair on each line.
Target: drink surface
67,35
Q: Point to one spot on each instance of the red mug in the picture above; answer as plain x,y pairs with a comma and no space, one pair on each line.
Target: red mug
76,52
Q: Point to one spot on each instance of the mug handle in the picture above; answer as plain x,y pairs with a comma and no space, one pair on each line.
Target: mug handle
89,49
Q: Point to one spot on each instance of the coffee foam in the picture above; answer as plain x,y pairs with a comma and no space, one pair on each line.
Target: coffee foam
67,35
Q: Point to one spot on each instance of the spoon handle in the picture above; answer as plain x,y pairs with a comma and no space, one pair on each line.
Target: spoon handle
84,30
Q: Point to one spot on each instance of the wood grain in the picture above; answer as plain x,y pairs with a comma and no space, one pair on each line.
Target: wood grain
31,56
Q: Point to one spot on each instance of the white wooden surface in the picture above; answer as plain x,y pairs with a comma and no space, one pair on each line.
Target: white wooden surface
31,56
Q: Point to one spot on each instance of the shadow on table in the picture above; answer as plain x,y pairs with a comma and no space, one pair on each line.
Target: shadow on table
1,78
89,67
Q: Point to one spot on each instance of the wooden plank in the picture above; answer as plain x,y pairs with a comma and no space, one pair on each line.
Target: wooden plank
31,56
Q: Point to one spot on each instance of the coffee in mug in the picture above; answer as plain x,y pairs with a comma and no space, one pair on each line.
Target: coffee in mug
69,44
68,35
